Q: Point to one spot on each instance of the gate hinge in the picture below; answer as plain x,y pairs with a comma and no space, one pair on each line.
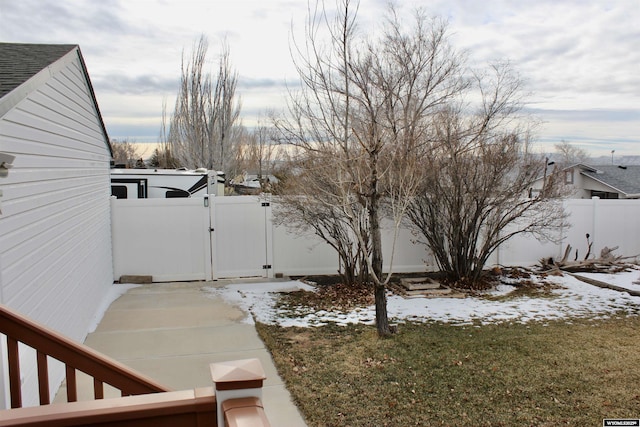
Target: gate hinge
266,266
266,204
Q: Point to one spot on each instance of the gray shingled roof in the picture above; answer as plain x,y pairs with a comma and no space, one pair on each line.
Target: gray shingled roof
625,178
19,62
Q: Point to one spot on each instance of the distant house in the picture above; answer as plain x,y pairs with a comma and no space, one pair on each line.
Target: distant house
55,228
605,181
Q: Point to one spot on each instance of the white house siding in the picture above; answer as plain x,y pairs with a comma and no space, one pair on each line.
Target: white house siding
581,189
55,249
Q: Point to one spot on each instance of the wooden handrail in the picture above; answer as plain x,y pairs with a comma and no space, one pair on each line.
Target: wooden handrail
153,404
75,356
179,408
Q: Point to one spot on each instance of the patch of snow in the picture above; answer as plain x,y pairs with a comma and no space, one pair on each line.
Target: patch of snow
257,299
627,279
501,289
573,298
114,292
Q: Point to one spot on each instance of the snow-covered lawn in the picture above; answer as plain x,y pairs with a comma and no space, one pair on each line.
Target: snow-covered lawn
571,298
628,279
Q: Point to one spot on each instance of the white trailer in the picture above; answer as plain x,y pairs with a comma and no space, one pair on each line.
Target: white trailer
165,183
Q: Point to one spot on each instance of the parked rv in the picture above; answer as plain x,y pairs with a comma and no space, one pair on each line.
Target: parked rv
165,183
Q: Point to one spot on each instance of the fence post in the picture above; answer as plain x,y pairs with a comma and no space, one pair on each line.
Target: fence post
564,235
595,200
268,234
236,379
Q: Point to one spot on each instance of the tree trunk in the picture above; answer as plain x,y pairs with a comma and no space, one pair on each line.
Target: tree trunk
382,320
376,244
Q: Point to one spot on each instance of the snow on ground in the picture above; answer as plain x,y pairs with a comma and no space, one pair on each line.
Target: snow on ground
114,292
257,299
628,279
572,299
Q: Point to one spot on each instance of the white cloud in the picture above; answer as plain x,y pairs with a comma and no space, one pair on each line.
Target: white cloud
575,54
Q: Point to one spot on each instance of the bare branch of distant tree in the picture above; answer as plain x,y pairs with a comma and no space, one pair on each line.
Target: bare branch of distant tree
256,153
205,122
124,153
162,156
569,154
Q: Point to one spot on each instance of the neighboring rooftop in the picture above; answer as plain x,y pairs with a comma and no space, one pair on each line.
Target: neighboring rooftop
623,178
20,61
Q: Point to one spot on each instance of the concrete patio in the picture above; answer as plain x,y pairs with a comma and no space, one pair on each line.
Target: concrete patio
171,332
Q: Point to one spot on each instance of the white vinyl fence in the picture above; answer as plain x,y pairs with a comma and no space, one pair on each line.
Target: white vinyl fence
229,237
165,238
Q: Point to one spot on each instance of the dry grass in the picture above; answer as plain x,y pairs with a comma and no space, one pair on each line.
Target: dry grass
551,374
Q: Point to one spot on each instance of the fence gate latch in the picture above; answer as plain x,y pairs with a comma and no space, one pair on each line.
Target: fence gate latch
264,204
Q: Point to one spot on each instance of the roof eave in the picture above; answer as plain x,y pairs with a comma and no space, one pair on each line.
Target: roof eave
95,101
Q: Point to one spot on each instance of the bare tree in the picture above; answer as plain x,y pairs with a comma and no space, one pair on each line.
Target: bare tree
307,202
162,156
124,153
477,177
256,152
261,152
569,154
318,195
362,118
204,124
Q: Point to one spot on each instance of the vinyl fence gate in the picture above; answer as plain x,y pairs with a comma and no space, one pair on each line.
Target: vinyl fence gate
241,237
192,238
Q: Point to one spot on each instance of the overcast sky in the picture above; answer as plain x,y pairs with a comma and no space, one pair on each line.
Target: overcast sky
580,58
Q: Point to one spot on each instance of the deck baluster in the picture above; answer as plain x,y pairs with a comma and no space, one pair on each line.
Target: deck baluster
98,389
15,385
72,389
43,378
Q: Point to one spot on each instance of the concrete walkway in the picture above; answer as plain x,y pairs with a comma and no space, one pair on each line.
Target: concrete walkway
171,332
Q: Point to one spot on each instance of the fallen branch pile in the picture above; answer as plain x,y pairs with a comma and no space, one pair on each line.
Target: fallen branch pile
606,262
